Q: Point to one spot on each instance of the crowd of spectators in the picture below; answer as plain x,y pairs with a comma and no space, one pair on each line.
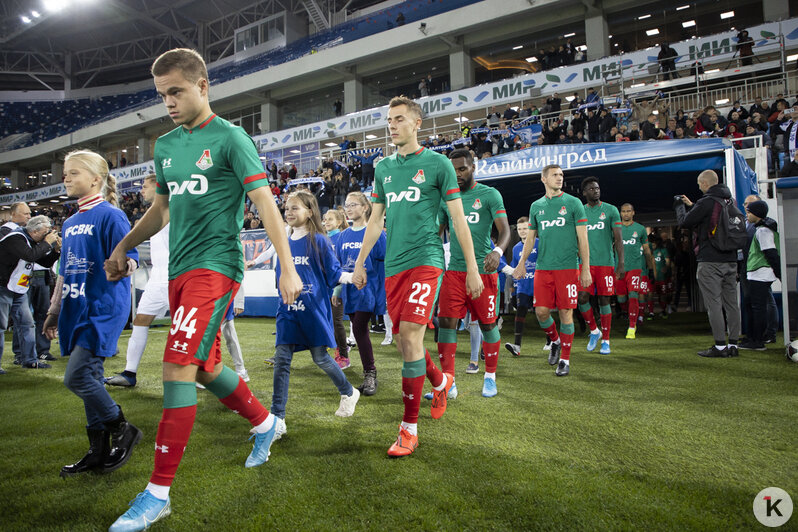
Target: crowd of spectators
562,55
575,120
330,183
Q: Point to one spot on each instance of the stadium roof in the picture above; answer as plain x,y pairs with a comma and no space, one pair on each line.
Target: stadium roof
102,42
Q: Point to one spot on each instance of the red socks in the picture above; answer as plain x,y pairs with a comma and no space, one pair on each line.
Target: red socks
551,332
491,356
606,323
434,375
634,308
412,388
566,340
170,442
590,320
446,354
246,405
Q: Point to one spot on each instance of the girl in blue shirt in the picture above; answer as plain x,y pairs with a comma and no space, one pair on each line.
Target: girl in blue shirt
89,312
360,305
307,323
334,221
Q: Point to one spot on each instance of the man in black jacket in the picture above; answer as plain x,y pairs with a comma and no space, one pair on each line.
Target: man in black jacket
650,129
790,168
667,61
20,214
19,249
717,270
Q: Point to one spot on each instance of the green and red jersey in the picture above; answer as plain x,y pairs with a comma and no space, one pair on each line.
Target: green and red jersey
601,222
206,171
634,236
482,204
412,188
556,219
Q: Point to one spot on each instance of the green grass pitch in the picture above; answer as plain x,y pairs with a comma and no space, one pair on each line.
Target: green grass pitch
651,437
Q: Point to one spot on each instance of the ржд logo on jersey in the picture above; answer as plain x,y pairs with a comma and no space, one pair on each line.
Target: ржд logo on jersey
559,221
196,185
205,160
411,194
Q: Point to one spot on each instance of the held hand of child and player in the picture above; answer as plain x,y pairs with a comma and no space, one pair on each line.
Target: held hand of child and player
359,276
290,285
119,265
492,260
520,271
50,327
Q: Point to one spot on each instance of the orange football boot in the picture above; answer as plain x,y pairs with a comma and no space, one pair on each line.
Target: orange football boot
404,445
439,397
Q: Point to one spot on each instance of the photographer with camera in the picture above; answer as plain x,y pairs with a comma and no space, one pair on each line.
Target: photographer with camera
19,249
718,226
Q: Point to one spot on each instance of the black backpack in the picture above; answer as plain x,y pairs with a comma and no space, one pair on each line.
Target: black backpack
727,226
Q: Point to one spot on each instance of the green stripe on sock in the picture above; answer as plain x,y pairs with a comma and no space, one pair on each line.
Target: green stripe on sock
546,324
177,394
584,307
447,336
604,310
492,336
225,384
414,369
566,328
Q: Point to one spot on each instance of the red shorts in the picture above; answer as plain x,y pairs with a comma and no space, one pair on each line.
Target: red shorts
198,301
556,289
663,287
411,295
644,286
454,301
603,281
630,283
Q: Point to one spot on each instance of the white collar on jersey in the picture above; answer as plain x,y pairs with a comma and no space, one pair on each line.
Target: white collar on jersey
299,233
88,202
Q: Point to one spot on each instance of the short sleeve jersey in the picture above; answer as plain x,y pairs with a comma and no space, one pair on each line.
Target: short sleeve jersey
206,171
347,249
482,204
412,189
308,321
660,256
556,219
634,236
93,309
601,221
527,284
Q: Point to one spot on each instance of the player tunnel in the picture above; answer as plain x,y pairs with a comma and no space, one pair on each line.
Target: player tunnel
646,174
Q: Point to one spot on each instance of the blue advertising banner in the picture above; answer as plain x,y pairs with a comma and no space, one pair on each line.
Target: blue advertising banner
569,156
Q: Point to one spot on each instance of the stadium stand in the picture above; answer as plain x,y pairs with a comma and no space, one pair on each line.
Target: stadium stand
37,118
